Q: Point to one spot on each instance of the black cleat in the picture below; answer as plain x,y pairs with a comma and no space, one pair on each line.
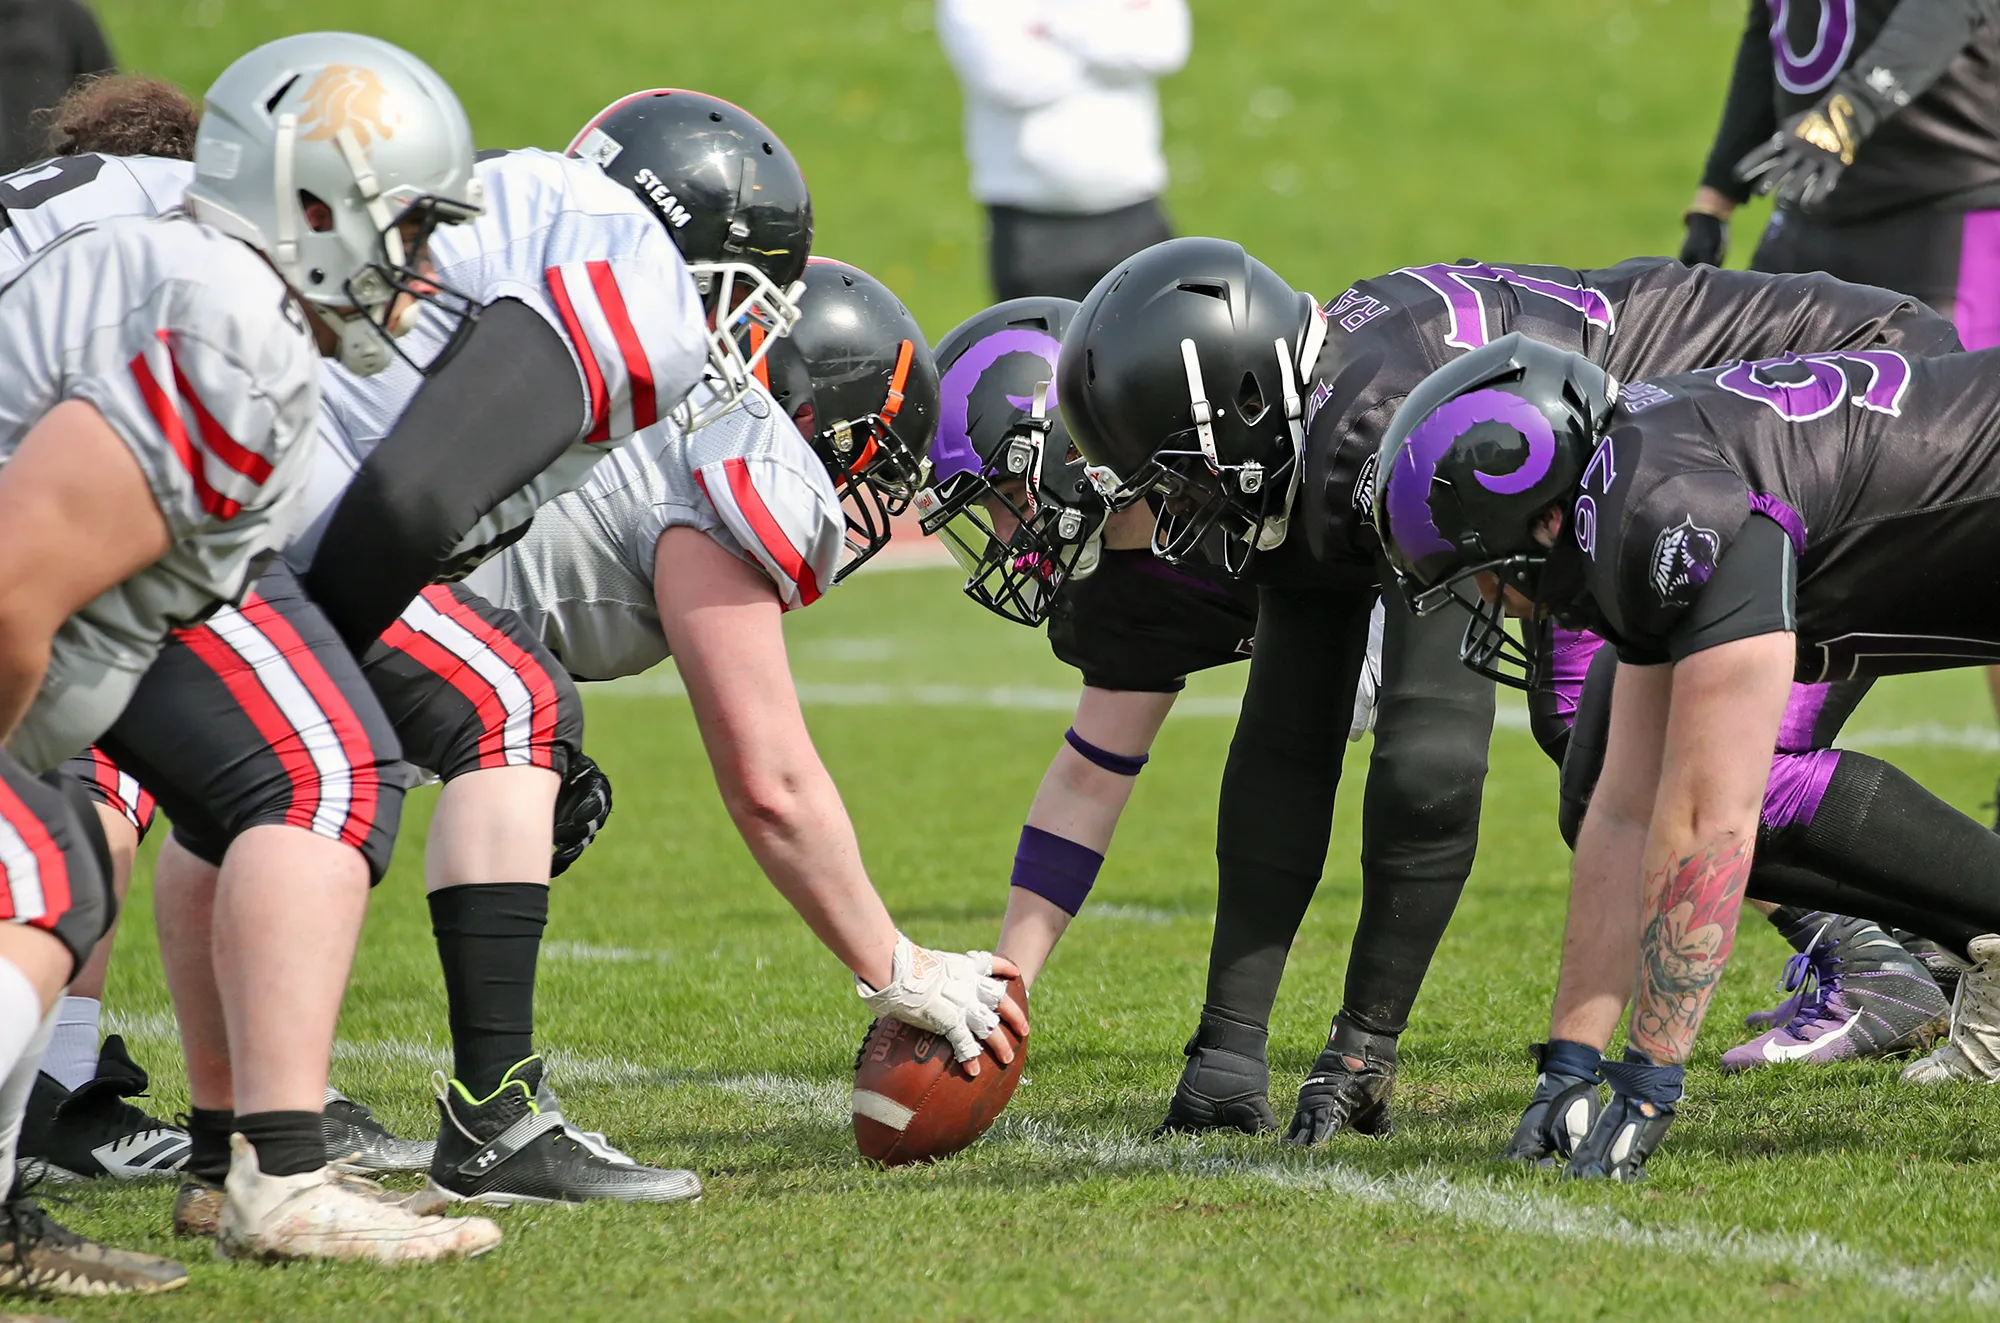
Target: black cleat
1226,1084
1348,1088
1629,1128
513,1147
1557,1118
356,1141
38,1253
94,1132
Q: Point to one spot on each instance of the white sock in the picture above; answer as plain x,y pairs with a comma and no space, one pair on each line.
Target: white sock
72,1056
24,1033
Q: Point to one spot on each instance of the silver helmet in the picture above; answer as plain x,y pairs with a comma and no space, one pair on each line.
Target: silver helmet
335,155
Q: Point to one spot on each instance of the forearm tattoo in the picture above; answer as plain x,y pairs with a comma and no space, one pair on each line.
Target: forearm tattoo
1690,928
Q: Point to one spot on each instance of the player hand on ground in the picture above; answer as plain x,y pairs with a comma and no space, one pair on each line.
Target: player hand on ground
953,994
1705,240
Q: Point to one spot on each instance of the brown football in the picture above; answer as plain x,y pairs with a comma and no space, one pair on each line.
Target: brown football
914,1103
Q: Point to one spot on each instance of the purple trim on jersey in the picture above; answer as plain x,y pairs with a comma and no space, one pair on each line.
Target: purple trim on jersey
1976,305
952,453
1810,72
1570,654
1799,730
1055,868
1798,783
1772,508
1411,526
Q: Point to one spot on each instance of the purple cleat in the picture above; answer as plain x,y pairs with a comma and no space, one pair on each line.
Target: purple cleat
1855,993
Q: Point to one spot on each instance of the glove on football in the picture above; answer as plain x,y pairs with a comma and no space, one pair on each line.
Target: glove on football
1558,1116
582,806
949,993
1803,161
1643,1098
1706,242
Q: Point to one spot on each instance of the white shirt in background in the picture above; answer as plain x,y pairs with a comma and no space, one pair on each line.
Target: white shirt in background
1060,110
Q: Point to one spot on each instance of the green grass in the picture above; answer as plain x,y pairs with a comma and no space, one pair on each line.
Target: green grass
700,1025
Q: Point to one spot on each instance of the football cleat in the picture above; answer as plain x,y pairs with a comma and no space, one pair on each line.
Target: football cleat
38,1253
1630,1127
1561,1112
315,1215
198,1203
356,1141
1972,1052
1945,967
93,1132
1856,993
1226,1084
514,1147
1348,1087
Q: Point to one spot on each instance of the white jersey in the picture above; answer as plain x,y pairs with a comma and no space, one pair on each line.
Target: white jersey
582,578
40,204
582,251
192,349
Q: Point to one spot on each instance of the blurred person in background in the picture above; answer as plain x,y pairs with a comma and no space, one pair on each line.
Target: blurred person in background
1876,125
46,46
1062,129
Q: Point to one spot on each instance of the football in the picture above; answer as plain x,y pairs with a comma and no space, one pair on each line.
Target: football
914,1103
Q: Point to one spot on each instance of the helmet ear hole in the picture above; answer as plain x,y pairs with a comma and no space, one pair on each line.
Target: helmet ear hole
319,216
1250,399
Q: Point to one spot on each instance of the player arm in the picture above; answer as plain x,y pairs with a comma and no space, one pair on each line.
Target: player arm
1003,54
1074,814
1747,118
500,411
1139,39
81,518
722,619
1912,50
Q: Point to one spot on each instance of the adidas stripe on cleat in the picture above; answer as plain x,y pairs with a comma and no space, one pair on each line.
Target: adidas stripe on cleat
94,1132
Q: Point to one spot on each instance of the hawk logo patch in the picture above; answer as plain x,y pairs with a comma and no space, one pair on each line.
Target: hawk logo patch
347,96
1364,489
1683,558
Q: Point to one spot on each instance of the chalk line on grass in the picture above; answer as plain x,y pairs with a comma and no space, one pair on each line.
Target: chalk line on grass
588,953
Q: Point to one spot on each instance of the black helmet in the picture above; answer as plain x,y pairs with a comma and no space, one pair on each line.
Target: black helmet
731,195
857,379
1003,459
1181,375
1476,453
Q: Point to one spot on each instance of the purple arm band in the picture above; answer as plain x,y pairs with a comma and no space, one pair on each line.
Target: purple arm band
1117,764
1055,868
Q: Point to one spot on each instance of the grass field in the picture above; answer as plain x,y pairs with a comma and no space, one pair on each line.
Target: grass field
699,1024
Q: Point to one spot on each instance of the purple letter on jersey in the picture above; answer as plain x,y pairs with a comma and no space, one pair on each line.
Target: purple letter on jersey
1826,385
952,452
1815,69
1468,328
1411,527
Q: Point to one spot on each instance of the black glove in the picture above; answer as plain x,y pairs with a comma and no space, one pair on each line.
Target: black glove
1706,242
582,806
1348,1089
1643,1101
1561,1112
1803,161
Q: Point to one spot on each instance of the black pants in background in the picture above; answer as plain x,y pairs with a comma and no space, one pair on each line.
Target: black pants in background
1038,252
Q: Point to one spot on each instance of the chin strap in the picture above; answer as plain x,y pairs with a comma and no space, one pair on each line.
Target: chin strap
1271,533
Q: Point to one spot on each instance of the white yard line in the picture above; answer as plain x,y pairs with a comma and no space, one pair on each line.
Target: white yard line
587,953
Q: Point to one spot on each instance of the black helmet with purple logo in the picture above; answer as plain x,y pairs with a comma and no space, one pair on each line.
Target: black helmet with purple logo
1477,452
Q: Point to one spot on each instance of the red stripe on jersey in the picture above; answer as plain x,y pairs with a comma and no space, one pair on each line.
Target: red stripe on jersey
645,412
769,531
49,861
541,689
593,377
247,688
169,419
355,746
224,446
453,669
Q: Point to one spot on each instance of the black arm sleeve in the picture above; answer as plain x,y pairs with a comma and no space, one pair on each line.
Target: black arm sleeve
1914,46
502,410
1752,592
1749,113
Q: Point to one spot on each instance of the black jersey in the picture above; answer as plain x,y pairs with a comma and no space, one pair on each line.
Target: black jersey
1870,479
1139,623
1942,149
1646,317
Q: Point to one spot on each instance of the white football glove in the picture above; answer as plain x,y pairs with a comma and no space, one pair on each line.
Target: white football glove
1369,689
949,993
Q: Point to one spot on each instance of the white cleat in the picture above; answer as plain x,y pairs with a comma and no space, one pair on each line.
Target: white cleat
1972,1052
315,1216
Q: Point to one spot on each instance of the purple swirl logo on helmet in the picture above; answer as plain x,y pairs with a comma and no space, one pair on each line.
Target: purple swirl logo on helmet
1412,528
952,452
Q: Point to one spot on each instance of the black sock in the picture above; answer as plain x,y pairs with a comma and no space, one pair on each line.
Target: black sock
208,1142
489,936
287,1143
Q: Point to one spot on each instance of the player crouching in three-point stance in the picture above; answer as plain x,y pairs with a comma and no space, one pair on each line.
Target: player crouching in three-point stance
1725,531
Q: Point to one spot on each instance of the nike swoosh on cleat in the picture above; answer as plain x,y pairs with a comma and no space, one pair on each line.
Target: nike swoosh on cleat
1775,1051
